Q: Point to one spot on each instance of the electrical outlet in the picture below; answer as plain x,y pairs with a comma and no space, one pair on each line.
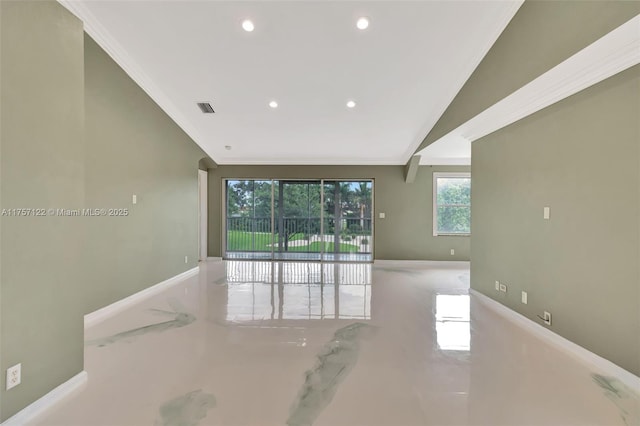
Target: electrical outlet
453,252
382,215
547,318
524,297
498,285
186,259
14,376
503,288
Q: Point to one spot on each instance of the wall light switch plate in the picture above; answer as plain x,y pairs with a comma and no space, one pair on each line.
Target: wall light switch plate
134,199
186,259
546,212
382,215
498,285
524,297
453,252
14,376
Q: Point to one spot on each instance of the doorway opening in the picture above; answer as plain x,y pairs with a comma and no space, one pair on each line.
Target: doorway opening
202,215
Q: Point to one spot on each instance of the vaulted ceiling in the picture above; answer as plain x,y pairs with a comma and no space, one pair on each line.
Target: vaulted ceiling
310,58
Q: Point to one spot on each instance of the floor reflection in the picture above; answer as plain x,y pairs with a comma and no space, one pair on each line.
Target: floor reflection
453,327
296,256
294,290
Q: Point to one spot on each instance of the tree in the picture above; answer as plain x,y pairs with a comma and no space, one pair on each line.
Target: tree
363,197
297,207
454,205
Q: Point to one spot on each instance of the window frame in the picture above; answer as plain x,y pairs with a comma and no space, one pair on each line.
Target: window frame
436,175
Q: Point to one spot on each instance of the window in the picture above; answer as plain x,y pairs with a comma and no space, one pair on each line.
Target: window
451,204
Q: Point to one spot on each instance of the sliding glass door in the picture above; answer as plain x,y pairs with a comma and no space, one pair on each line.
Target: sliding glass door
249,227
347,220
299,219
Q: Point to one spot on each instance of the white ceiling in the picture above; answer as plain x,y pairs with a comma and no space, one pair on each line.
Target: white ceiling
403,71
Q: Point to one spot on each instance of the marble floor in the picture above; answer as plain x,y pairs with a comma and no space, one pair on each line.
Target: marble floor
261,343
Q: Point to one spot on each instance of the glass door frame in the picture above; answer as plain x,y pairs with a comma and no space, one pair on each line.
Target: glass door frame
274,249
280,215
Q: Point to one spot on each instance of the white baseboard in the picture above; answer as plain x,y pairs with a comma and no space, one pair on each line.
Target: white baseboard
392,262
39,406
425,263
572,349
102,314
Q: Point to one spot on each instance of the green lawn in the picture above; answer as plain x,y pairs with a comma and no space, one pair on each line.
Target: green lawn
244,241
296,237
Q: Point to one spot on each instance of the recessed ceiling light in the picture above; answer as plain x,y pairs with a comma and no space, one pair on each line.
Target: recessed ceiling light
362,23
351,104
247,25
273,104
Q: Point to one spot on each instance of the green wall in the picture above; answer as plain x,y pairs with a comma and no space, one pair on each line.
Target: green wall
42,166
133,147
76,132
405,234
580,157
541,35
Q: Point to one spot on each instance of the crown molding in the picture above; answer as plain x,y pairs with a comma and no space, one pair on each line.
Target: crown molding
121,57
318,161
445,161
465,74
607,56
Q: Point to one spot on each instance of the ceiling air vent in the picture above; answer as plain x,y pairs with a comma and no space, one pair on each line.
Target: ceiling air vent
205,107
